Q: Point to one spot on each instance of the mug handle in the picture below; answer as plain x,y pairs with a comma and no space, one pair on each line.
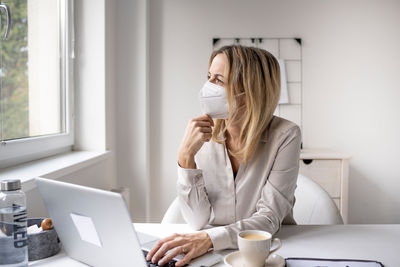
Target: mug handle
278,247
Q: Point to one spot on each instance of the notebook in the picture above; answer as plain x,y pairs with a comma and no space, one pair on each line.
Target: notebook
307,262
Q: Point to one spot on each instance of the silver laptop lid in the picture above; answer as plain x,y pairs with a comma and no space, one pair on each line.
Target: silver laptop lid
93,225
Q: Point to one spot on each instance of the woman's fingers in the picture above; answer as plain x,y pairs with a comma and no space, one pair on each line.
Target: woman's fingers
205,129
204,117
166,247
192,245
185,259
201,124
173,253
158,245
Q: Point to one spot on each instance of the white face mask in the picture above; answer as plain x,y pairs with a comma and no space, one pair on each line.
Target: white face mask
213,101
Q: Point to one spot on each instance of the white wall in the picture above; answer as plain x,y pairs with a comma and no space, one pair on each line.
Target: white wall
98,175
90,75
351,85
130,44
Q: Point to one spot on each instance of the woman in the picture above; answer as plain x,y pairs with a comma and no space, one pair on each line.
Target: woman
237,164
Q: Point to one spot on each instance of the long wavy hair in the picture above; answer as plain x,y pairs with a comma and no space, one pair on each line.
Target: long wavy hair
253,84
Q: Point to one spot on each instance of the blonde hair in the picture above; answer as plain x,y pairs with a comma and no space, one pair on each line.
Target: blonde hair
254,73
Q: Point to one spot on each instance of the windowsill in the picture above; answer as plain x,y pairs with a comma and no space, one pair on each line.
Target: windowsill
55,166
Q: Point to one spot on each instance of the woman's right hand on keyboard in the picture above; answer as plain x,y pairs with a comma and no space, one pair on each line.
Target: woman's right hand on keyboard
192,245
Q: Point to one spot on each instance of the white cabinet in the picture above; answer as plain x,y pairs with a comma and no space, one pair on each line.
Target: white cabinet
331,171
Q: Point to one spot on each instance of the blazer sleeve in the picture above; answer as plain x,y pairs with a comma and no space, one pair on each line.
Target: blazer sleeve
277,196
192,196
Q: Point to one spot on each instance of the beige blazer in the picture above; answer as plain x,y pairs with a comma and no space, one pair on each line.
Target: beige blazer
261,196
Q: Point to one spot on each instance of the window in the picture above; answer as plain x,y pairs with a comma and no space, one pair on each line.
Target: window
36,106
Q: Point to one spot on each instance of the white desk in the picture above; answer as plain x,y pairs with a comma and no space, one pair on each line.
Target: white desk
369,242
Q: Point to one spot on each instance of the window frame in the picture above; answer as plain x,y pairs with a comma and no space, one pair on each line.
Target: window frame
17,151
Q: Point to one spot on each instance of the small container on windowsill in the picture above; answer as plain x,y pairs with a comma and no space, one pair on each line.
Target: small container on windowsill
43,244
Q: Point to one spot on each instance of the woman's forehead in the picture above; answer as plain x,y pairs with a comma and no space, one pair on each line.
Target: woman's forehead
218,65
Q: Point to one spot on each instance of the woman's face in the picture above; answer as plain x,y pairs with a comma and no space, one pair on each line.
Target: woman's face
217,73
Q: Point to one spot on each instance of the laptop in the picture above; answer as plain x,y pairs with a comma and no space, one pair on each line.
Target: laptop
95,227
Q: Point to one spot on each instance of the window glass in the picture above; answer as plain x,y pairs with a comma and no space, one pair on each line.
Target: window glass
31,92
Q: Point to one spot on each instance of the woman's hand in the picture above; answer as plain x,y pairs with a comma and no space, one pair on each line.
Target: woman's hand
197,132
192,245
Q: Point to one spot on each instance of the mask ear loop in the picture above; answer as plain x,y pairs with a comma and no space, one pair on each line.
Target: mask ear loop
240,94
227,122
235,112
237,96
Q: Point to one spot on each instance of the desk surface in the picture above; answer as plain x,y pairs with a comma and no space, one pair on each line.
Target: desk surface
367,242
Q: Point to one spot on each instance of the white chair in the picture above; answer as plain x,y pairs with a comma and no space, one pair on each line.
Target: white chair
313,206
173,213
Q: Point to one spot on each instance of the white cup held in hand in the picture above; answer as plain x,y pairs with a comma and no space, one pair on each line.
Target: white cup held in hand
255,247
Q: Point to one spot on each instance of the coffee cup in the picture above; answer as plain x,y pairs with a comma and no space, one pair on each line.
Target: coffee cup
255,247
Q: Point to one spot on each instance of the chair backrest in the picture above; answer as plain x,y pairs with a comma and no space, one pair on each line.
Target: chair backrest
173,213
313,206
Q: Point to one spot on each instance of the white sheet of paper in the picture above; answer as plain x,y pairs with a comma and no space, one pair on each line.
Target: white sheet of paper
33,229
284,98
86,229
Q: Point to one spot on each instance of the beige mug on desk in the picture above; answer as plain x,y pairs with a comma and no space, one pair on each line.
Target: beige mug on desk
255,247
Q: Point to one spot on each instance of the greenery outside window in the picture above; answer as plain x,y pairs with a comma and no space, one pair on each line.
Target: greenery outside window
36,79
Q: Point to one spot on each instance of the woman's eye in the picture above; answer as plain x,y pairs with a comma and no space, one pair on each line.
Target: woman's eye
221,82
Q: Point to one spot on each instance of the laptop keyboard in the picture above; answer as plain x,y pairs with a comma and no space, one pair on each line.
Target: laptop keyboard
150,264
